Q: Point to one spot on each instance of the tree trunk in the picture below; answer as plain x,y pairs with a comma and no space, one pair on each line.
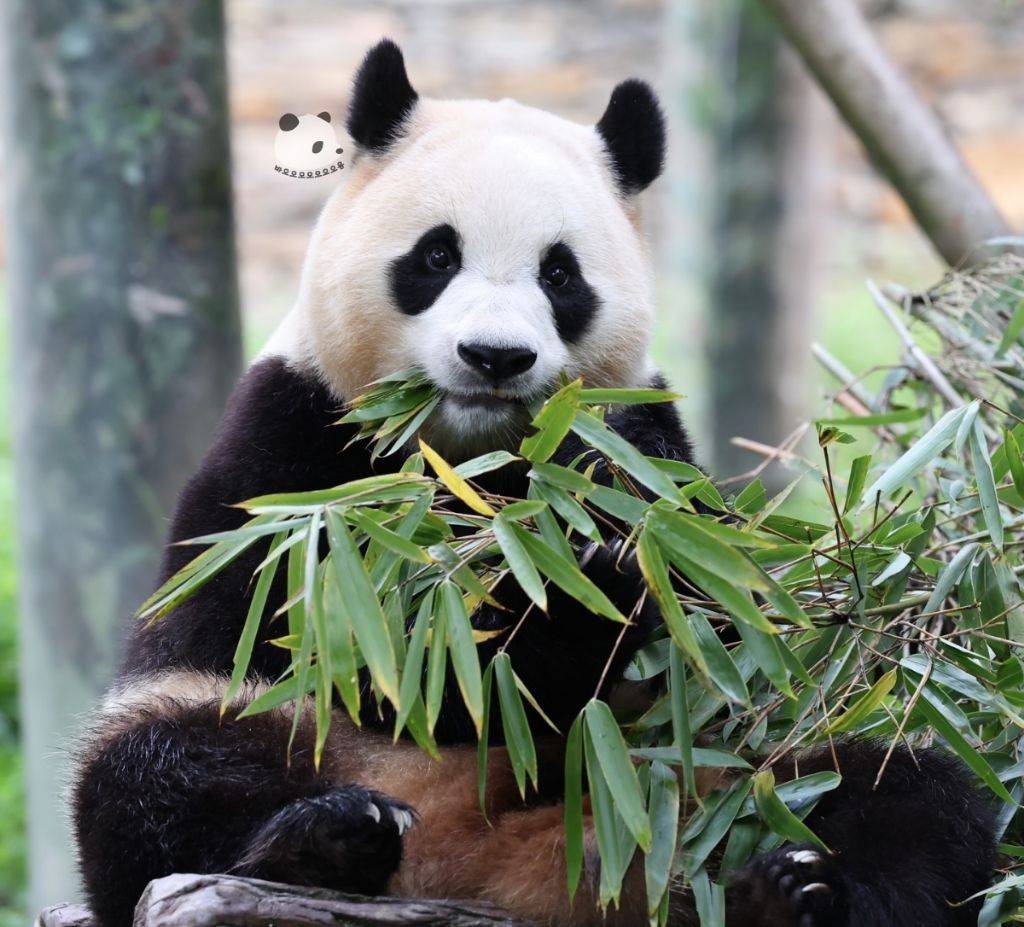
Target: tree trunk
125,336
768,219
902,135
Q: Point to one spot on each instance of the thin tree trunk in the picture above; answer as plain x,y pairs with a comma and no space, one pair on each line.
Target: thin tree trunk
901,134
768,162
125,335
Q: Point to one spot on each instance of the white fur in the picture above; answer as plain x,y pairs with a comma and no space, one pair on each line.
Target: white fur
512,181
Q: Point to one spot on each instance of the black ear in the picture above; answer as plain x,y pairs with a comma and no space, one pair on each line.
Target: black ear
633,129
326,117
288,122
382,98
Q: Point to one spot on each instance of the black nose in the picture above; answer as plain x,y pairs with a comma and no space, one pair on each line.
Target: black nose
497,364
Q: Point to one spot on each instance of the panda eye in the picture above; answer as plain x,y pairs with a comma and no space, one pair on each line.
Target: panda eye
556,276
439,259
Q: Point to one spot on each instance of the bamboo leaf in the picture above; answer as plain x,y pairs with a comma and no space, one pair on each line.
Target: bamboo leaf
573,807
856,480
773,811
465,662
986,485
412,672
362,607
617,770
508,536
859,711
552,423
455,483
663,802
518,739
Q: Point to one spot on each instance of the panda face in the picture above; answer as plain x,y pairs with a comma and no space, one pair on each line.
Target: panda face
494,252
493,245
306,143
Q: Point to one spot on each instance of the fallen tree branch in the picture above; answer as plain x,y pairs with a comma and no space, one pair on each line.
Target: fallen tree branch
229,901
900,132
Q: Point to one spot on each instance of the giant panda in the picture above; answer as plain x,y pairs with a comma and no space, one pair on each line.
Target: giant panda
495,246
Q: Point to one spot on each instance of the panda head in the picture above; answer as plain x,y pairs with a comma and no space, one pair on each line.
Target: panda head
492,244
306,143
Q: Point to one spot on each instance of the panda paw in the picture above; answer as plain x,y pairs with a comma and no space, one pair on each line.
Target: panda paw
794,886
348,839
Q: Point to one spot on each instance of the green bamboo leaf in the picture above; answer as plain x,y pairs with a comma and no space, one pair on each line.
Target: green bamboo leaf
508,536
620,505
949,577
752,498
918,456
986,485
362,607
253,620
570,510
462,648
855,482
627,397
525,508
618,771
390,487
551,531
663,802
706,829
412,672
895,417
562,477
437,667
567,575
735,599
709,899
773,811
277,695
388,539
1014,459
485,463
609,826
573,806
684,535
518,739
1013,329
623,454
682,730
766,653
552,423
859,711
343,655
483,742
655,573
721,667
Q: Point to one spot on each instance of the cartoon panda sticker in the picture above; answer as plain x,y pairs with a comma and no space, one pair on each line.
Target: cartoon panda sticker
306,146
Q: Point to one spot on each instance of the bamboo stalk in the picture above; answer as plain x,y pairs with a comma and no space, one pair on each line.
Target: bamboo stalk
901,133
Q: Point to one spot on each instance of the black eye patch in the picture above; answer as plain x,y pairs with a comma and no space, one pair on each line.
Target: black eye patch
573,301
418,278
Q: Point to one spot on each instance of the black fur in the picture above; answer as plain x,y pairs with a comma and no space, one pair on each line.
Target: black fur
382,98
575,303
902,852
415,285
182,791
633,129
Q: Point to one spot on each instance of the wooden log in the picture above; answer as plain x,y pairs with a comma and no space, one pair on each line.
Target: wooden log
229,901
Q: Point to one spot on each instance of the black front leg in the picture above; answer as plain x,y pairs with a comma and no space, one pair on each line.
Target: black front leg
174,788
903,854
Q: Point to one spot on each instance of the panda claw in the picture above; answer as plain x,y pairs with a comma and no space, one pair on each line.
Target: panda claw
805,857
373,811
816,887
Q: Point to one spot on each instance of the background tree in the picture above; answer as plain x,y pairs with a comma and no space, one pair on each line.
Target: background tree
766,219
125,335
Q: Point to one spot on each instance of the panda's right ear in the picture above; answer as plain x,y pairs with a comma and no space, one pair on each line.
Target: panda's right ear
382,98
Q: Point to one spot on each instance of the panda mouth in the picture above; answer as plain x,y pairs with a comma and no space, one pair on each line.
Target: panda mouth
494,400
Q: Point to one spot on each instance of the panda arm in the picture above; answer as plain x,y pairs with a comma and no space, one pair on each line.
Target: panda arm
277,435
164,784
902,852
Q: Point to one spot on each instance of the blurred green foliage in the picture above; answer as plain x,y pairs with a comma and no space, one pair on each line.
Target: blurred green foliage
12,810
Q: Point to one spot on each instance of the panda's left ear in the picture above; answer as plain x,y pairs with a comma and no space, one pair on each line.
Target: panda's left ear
382,98
633,131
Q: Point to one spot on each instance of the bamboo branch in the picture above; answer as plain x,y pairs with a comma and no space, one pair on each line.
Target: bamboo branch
901,133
